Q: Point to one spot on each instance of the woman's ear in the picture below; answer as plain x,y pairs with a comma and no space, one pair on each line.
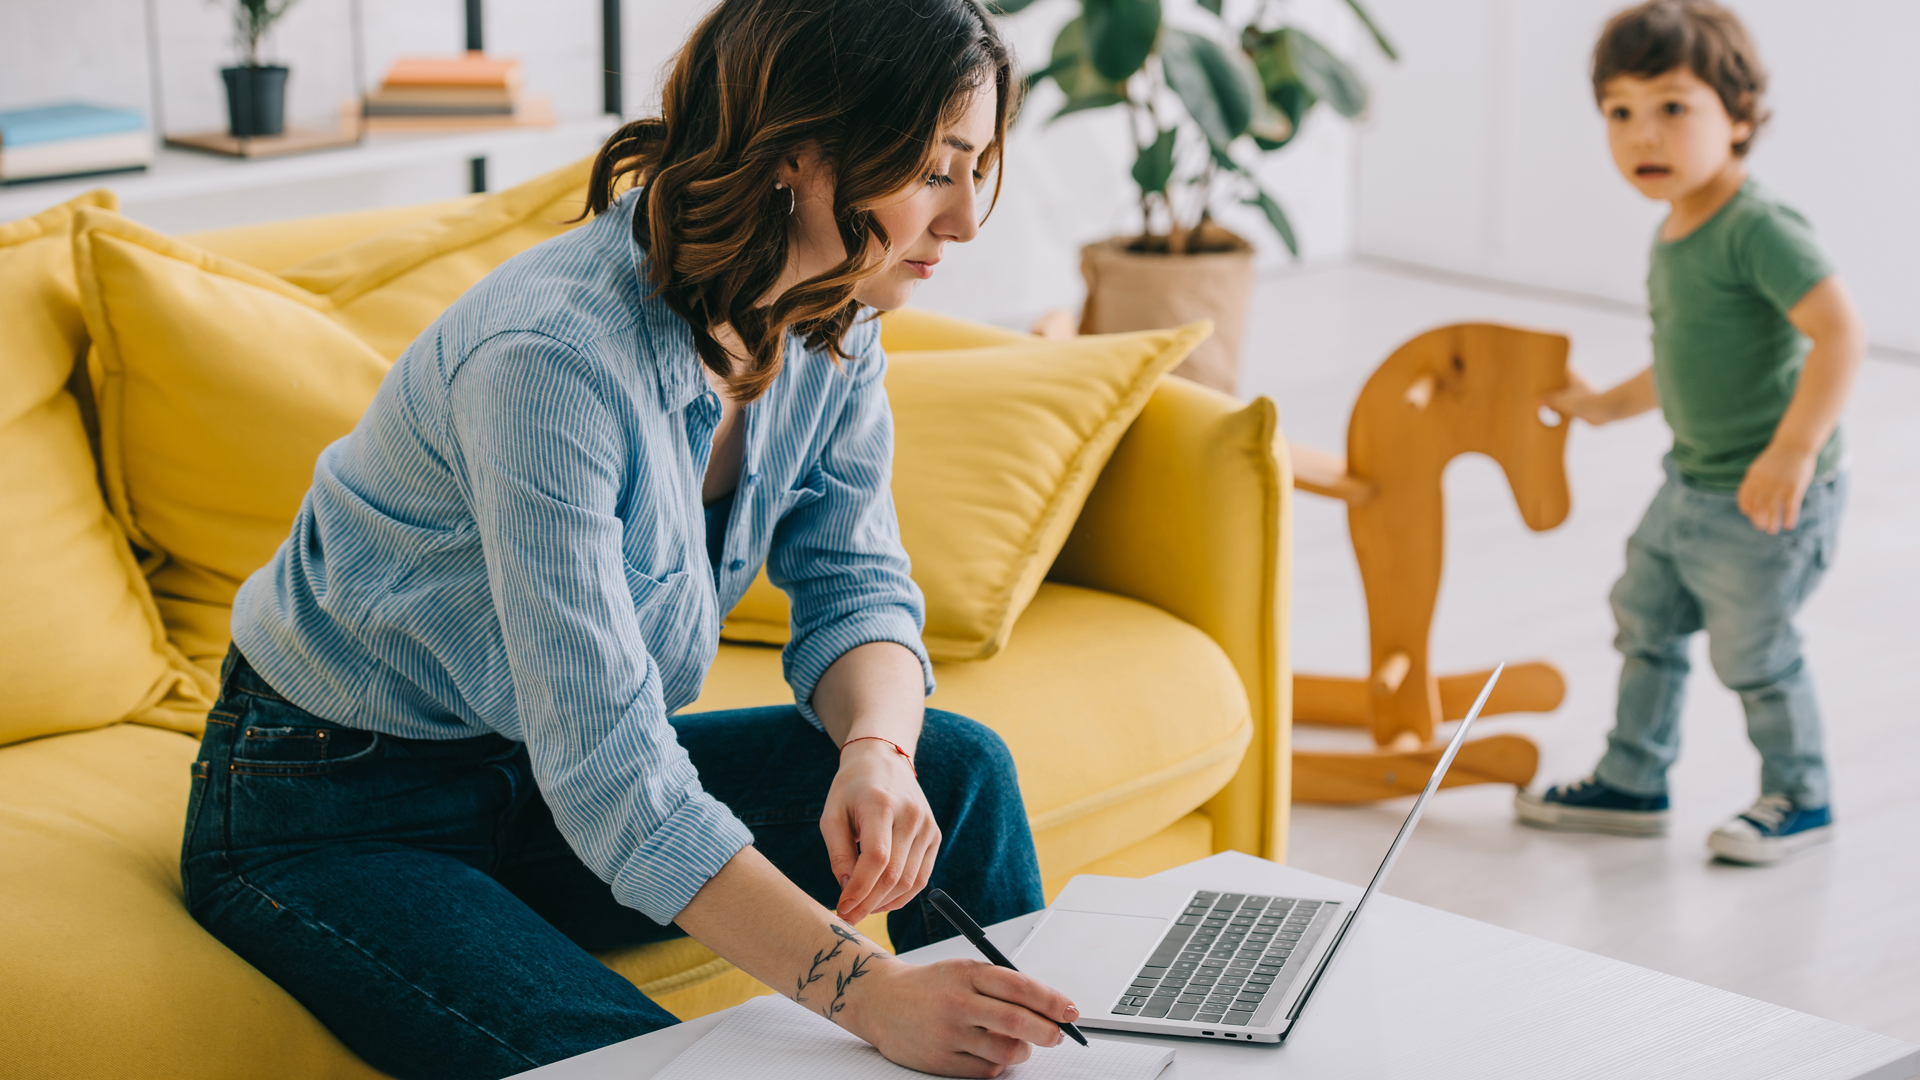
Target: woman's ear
807,173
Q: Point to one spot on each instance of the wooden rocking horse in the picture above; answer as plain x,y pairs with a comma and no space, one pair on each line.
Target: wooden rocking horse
1454,390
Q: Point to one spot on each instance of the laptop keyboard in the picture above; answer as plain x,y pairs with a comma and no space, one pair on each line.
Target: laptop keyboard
1220,959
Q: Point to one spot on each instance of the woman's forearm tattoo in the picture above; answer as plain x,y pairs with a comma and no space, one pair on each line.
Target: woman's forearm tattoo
823,963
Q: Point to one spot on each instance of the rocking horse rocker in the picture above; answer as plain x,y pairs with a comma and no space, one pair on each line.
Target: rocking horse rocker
1454,390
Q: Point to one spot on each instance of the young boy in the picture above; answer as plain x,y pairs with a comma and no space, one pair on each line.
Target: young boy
1755,345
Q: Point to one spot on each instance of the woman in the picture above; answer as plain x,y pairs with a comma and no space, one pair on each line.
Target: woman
443,765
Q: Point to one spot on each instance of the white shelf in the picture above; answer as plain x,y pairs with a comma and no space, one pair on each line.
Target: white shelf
185,174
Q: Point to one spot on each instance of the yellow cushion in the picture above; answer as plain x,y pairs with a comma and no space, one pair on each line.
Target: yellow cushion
995,450
914,330
1123,718
278,245
218,384
80,642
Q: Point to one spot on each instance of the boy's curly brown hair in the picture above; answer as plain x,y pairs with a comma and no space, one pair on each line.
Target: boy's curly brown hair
1650,39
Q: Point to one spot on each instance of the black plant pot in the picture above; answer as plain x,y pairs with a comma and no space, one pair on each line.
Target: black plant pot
256,100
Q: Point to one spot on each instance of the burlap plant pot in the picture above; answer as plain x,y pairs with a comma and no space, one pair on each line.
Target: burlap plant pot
1131,290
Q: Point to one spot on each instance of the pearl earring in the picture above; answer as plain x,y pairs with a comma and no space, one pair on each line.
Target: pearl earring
778,186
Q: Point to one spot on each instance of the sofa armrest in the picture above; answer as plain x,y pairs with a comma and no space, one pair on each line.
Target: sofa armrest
1193,515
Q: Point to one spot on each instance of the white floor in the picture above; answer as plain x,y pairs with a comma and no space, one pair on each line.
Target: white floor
1835,933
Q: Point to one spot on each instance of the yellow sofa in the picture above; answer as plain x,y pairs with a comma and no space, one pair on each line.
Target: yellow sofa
1143,693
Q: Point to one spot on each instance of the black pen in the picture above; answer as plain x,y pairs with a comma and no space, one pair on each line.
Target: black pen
964,923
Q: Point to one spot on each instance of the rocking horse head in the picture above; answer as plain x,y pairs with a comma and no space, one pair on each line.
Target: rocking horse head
1472,387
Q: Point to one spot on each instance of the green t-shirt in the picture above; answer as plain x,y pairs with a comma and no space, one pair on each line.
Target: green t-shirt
1725,358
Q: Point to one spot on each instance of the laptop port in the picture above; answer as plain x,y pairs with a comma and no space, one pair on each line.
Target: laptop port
1206,1033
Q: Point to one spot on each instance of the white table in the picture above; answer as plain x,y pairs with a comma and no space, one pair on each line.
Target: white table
1421,993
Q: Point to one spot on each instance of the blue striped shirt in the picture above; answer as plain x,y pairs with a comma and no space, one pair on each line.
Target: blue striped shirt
512,540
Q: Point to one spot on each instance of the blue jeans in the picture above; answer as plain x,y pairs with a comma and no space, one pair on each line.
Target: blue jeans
1697,563
417,898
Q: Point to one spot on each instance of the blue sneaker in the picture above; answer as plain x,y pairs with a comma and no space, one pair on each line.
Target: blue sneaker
1770,830
1591,806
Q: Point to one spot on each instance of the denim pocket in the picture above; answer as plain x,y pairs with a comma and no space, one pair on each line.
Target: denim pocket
270,745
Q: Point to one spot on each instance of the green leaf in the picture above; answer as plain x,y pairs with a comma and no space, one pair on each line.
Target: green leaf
1217,87
1373,28
1054,67
1154,167
1277,218
1271,128
1293,99
1211,5
1121,35
1328,76
1099,99
1071,68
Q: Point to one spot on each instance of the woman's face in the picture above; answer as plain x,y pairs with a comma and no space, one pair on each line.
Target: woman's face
939,209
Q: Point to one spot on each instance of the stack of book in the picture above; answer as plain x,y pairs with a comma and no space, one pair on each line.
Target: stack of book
71,139
421,93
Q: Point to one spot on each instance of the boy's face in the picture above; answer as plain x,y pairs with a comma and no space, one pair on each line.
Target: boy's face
1670,135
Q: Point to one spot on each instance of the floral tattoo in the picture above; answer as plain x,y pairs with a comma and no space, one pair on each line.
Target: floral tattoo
860,965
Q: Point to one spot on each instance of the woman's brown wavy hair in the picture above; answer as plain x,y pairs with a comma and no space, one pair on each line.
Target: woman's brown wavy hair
868,84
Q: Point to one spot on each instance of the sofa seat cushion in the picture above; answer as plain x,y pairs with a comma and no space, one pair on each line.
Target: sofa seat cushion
103,972
81,644
1123,718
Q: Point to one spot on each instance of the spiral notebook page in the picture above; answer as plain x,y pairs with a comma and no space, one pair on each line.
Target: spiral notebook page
773,1037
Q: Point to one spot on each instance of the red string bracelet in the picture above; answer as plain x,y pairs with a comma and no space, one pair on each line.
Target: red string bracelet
896,749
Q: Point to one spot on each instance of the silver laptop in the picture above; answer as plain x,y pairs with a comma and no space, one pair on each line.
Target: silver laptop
1142,955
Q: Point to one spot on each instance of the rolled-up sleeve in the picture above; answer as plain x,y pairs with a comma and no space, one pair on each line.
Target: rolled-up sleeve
542,456
838,555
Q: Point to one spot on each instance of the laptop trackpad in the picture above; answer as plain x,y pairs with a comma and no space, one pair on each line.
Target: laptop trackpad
1090,956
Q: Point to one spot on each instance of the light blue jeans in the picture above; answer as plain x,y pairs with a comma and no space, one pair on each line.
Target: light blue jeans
1696,563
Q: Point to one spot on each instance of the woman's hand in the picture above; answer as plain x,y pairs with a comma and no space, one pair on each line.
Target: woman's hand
880,833
1775,483
956,1017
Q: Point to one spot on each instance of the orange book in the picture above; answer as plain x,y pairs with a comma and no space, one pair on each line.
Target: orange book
472,69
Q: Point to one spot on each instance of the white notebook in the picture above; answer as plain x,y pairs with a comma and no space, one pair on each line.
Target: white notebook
773,1037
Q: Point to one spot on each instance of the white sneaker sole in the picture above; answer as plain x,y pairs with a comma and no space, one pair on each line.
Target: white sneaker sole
1533,810
1761,851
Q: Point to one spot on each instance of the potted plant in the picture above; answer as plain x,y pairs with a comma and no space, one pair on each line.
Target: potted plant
1201,108
256,92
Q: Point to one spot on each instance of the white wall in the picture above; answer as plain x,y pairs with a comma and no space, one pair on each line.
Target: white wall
1485,154
98,50
1067,184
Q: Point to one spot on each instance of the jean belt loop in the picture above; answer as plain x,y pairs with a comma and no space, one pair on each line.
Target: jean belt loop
228,664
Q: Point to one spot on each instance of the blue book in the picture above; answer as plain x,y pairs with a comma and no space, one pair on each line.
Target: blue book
65,122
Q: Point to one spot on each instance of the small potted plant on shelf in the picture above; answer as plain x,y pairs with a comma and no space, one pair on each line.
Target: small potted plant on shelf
1201,109
256,92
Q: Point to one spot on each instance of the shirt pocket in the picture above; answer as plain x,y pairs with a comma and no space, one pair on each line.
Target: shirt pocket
793,499
667,606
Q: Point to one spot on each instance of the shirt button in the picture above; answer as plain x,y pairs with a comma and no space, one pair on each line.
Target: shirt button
737,564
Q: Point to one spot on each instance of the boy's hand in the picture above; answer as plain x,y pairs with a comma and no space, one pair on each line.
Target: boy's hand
1596,407
1578,399
1775,483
